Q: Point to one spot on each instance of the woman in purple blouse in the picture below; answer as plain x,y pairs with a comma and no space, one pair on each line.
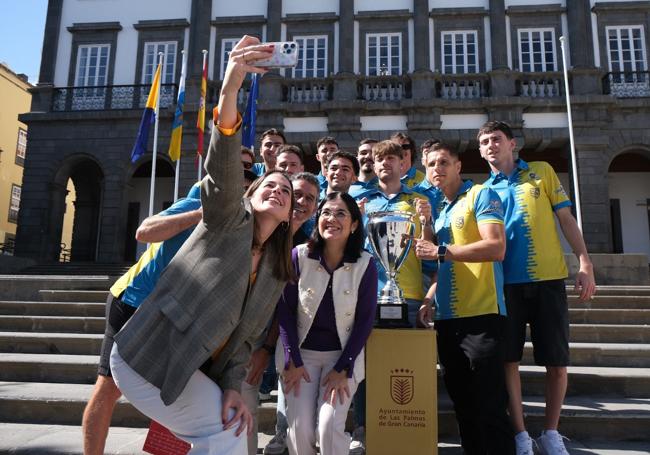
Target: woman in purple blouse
325,320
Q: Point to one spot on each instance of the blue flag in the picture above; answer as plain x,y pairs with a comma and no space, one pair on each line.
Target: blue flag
250,115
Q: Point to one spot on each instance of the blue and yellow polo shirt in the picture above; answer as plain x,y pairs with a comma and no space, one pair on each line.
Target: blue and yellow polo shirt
412,177
436,198
530,196
409,276
136,284
357,188
468,289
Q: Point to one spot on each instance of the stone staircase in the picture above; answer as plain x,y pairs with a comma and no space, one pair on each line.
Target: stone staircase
51,332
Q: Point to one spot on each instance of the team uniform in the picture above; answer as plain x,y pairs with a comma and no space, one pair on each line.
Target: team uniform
534,266
259,169
358,187
470,324
412,177
134,286
435,197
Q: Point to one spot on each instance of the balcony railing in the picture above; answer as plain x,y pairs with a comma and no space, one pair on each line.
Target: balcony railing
629,84
311,90
540,85
384,88
462,86
109,97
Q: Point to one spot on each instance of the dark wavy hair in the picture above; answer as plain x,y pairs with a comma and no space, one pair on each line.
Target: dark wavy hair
354,245
281,240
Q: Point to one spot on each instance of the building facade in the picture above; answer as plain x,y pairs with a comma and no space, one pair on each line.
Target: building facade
367,68
13,146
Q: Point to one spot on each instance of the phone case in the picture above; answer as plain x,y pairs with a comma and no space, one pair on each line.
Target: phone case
285,55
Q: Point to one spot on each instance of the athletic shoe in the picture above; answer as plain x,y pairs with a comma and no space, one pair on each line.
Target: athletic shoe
552,443
358,443
524,444
277,445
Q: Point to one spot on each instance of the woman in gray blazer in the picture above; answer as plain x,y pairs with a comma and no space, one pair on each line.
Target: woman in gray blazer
214,299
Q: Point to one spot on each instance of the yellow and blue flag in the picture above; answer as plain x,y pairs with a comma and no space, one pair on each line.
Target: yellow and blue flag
177,124
200,121
148,117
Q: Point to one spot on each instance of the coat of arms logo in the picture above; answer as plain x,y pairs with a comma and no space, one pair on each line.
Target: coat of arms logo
402,385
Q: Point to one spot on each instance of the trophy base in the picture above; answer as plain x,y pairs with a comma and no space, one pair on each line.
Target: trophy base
392,316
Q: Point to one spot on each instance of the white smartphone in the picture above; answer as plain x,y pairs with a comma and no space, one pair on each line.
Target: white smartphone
285,55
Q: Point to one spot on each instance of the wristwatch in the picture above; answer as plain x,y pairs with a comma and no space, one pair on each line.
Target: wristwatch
442,250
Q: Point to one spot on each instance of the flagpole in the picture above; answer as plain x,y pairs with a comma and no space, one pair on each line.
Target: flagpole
574,161
178,161
155,142
200,170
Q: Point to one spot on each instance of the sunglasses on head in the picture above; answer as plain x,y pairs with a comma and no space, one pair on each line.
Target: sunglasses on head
406,146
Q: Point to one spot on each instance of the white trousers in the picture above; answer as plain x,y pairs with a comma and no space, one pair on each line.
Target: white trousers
194,417
250,394
305,410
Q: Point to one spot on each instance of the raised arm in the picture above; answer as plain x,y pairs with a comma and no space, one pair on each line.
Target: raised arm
158,228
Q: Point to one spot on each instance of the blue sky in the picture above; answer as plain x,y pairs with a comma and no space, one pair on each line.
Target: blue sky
22,23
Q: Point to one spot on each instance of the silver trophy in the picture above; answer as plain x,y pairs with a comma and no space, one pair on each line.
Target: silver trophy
391,235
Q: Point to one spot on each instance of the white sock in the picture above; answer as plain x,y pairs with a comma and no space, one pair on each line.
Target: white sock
522,436
549,432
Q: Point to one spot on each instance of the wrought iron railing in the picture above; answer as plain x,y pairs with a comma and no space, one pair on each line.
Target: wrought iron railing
627,84
549,84
462,86
8,247
384,88
109,97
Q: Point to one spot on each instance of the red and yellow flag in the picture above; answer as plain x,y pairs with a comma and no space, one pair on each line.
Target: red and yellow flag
200,121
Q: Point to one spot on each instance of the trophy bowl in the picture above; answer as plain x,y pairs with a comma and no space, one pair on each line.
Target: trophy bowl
390,235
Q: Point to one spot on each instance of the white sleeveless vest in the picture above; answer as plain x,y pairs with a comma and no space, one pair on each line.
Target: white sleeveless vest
312,285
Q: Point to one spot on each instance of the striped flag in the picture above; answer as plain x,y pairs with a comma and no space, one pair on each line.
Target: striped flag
200,122
177,124
250,116
148,117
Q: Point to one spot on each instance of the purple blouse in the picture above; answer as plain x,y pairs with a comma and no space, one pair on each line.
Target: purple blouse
322,335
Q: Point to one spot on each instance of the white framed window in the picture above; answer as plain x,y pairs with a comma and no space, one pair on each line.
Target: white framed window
626,48
537,50
21,146
150,61
459,52
383,54
14,203
312,56
226,46
92,65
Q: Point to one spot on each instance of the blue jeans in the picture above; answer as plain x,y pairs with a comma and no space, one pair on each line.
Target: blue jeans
270,377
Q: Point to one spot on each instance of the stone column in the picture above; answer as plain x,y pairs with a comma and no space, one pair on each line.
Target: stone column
201,14
274,20
421,33
498,35
346,36
50,42
585,77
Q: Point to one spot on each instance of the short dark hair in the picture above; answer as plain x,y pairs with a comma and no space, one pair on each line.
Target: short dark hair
444,146
387,147
248,152
367,140
495,125
345,155
307,177
354,245
287,148
409,139
429,142
326,140
274,132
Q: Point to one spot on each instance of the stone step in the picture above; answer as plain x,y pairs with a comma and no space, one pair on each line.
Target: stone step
51,343
594,417
52,324
615,290
82,369
612,301
15,308
31,439
609,316
61,295
635,355
610,333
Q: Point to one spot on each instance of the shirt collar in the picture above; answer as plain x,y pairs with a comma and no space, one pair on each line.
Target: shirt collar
464,188
377,190
520,165
409,174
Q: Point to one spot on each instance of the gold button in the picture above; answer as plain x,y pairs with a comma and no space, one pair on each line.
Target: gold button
348,329
346,292
310,291
347,268
320,269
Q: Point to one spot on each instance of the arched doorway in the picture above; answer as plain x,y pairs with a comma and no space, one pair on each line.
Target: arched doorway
629,195
138,200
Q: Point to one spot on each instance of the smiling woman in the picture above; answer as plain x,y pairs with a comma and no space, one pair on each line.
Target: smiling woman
325,320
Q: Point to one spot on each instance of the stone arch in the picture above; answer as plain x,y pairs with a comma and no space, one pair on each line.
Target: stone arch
87,176
628,175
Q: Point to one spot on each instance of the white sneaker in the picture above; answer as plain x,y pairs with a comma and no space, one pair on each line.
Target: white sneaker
358,443
552,443
524,444
277,445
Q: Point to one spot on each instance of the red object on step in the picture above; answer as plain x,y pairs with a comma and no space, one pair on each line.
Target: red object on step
161,441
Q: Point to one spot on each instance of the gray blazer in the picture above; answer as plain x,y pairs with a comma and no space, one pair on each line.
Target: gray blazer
202,298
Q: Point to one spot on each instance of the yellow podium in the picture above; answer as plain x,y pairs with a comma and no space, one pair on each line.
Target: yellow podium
401,392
